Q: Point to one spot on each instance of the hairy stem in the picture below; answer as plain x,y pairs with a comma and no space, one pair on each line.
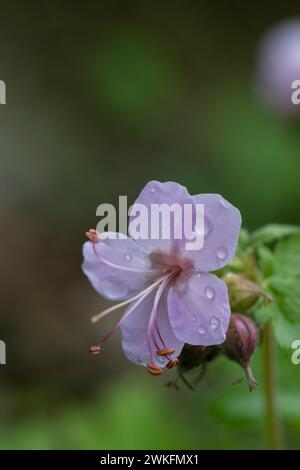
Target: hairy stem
272,421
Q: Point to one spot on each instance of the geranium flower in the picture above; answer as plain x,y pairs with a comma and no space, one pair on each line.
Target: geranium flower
170,294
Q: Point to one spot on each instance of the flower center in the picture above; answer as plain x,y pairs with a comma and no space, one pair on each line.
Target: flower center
171,262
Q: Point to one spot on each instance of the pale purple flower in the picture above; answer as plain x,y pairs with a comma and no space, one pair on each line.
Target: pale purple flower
278,66
170,294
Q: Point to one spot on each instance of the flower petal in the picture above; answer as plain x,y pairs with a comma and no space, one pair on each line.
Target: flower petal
117,268
222,223
174,197
134,333
199,309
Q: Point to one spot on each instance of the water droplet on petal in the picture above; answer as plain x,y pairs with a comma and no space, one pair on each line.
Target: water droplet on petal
222,252
214,323
199,275
194,317
210,293
201,330
152,190
128,256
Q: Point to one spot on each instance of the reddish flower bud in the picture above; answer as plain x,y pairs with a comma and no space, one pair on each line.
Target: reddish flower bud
241,340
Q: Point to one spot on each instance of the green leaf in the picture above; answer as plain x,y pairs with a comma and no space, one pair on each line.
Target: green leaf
285,332
286,293
243,239
264,313
266,260
287,256
272,232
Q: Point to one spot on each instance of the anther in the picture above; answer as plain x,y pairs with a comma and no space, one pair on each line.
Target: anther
165,352
154,370
172,363
95,350
92,235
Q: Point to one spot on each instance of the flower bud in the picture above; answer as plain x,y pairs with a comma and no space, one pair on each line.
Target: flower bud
241,340
242,293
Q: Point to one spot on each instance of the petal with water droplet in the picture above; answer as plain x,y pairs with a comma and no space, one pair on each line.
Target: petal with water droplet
220,241
200,314
117,268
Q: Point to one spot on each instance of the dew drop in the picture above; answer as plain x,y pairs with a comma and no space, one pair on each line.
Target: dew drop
201,330
194,318
128,256
214,323
210,293
153,190
222,252
199,275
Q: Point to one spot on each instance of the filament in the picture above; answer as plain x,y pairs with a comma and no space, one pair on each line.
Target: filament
124,317
148,289
153,314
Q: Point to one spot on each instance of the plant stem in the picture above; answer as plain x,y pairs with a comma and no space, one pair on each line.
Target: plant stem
272,421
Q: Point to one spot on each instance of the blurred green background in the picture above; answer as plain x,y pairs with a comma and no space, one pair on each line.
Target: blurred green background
101,97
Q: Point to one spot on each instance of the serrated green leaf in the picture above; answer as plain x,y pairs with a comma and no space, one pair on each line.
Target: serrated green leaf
272,232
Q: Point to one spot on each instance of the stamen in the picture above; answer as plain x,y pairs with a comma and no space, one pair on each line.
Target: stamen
95,349
105,312
93,235
124,317
159,335
154,370
172,363
155,342
152,320
165,352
